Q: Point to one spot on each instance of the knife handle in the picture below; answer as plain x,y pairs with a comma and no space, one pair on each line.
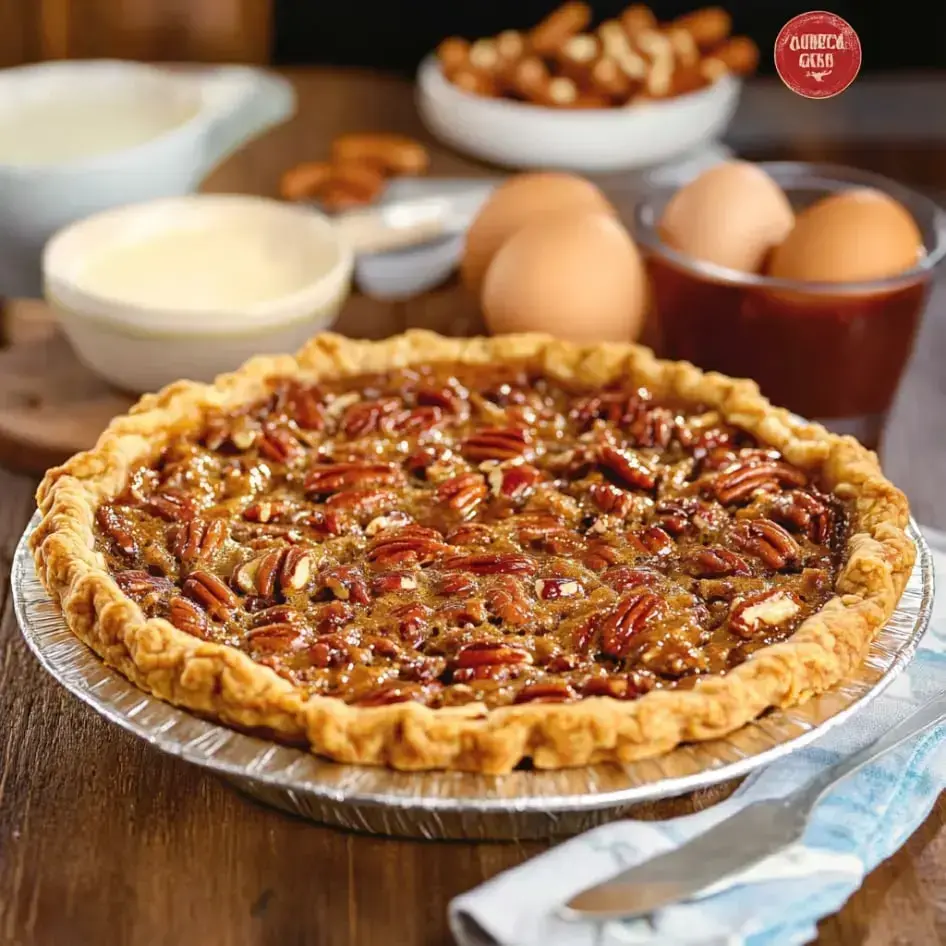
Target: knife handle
393,226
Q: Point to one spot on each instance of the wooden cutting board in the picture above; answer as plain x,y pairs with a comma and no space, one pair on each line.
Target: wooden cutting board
52,406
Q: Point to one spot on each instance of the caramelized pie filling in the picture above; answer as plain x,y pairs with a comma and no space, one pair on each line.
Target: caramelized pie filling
453,534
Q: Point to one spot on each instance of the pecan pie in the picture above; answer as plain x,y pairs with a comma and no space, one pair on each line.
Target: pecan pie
464,553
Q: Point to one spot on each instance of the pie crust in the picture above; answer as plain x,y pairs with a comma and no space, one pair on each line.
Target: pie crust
221,682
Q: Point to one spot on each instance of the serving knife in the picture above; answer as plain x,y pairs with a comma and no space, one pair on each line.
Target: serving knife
735,844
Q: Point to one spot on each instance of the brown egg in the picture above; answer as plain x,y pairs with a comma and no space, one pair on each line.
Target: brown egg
515,203
731,215
855,236
576,276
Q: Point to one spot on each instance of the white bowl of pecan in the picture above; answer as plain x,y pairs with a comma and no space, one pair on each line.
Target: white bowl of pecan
628,93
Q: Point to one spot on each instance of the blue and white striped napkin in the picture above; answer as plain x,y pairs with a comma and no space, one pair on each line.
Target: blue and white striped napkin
779,902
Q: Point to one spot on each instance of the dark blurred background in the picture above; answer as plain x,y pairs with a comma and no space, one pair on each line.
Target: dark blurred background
904,35
395,34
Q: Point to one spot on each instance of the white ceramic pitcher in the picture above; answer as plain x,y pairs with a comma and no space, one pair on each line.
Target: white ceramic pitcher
197,117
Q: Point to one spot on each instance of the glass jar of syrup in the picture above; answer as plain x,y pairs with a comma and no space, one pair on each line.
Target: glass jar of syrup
831,352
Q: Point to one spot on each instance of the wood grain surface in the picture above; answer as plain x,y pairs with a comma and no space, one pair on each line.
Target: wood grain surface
104,841
155,30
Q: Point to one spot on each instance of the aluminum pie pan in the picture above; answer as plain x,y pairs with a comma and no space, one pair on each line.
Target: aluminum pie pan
524,804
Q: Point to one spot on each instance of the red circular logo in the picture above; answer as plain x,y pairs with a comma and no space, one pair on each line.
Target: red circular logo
817,54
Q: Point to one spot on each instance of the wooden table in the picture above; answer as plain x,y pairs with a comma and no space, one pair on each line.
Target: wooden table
102,840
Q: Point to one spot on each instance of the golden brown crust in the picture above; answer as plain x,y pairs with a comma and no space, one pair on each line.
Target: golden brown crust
219,681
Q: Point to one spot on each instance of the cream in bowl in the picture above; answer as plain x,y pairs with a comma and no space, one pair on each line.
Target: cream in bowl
191,287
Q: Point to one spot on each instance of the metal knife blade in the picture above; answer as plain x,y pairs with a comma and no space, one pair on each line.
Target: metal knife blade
735,844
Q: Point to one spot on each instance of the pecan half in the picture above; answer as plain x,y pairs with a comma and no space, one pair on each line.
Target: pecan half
714,562
739,483
456,584
514,482
392,583
652,427
599,555
495,443
363,502
146,589
415,421
304,405
552,589
281,570
390,694
611,499
536,526
468,614
768,541
507,600
622,577
116,524
330,617
330,650
480,653
502,563
412,621
656,541
444,398
347,583
551,692
172,505
278,614
613,407
279,445
618,688
628,617
804,512
463,493
412,545
626,469
187,616
471,533
198,539
326,478
230,434
765,610
276,638
674,515
267,510
207,590
366,417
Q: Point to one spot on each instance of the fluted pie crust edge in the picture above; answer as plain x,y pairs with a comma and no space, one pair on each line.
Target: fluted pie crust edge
221,682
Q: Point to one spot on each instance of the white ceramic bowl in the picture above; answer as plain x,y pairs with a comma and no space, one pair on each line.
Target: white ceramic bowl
518,135
140,348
